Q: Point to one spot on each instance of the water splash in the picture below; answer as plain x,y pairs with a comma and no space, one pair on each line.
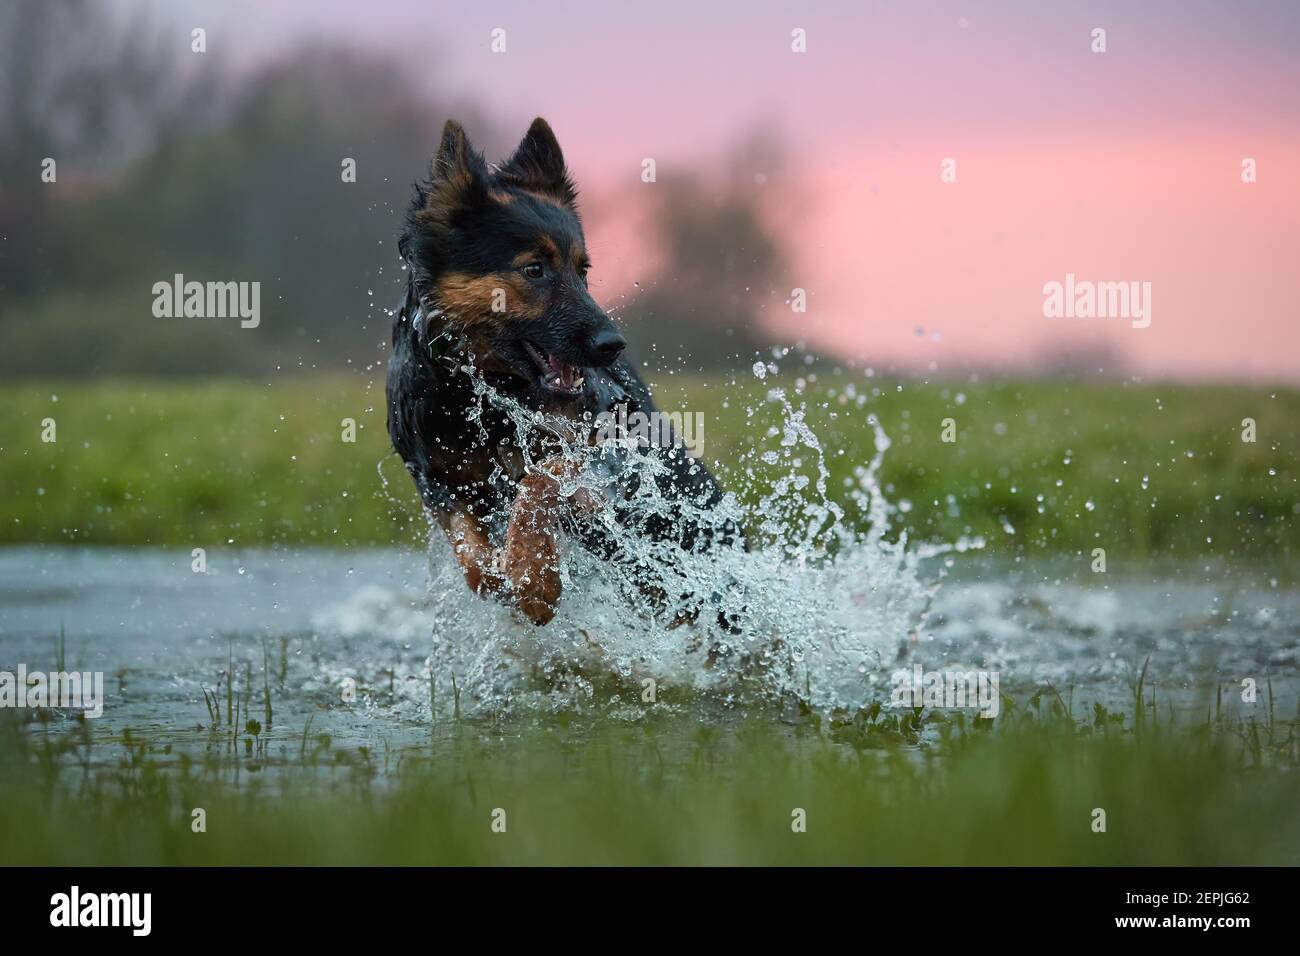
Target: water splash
823,603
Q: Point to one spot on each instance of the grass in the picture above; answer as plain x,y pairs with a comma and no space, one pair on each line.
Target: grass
1023,789
1037,468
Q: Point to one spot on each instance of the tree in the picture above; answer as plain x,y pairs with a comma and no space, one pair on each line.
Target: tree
722,268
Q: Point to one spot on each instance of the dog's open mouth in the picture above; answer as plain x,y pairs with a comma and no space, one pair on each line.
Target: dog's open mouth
557,376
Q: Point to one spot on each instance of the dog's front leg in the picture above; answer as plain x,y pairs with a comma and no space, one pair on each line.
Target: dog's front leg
474,552
528,567
531,561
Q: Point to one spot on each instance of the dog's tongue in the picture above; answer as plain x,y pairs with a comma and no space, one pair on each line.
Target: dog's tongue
562,374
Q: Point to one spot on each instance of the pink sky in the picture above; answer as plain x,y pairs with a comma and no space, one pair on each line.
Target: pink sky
1115,167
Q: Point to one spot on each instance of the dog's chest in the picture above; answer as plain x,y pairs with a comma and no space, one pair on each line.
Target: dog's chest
474,443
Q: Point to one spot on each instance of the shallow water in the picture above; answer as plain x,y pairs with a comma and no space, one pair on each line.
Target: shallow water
381,648
161,632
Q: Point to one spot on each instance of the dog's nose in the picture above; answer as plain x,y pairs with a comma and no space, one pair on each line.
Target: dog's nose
607,344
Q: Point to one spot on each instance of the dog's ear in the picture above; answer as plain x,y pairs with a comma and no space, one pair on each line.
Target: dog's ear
538,165
458,175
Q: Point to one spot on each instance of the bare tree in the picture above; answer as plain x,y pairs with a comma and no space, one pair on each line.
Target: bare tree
82,89
723,265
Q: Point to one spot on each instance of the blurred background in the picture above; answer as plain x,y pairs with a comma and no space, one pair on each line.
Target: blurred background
776,170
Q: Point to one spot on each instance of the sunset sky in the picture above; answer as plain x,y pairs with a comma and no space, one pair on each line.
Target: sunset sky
1115,166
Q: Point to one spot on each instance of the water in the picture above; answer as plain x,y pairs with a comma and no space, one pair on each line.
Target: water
159,632
815,610
383,646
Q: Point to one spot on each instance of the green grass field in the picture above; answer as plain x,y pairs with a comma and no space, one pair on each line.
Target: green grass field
673,790
1038,467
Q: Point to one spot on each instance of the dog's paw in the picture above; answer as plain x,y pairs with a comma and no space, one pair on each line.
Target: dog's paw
536,610
531,564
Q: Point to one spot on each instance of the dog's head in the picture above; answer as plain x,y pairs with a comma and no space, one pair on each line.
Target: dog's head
497,257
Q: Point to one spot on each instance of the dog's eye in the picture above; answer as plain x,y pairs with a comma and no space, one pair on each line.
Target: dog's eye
534,270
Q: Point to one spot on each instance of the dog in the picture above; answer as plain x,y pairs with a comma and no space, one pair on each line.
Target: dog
497,302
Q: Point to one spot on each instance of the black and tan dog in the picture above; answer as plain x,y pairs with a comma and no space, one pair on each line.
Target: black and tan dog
497,289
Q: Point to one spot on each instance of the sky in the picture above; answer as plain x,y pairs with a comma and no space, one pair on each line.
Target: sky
1116,166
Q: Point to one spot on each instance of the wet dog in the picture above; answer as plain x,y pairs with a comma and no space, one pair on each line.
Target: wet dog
497,303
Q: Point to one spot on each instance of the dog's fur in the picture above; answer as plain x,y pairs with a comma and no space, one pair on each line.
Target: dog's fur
497,281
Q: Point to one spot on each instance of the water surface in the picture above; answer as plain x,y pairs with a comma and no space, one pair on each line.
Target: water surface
162,633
